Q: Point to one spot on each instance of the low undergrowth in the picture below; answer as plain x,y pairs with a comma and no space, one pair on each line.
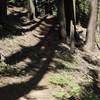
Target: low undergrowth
75,83
10,70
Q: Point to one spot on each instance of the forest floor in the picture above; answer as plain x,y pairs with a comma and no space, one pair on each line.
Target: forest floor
35,65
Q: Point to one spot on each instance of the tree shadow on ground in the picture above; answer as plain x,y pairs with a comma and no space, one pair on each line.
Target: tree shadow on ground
34,53
14,91
41,55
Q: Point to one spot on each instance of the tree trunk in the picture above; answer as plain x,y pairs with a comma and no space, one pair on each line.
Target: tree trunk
3,11
91,36
62,19
73,26
70,12
31,9
98,25
98,17
36,10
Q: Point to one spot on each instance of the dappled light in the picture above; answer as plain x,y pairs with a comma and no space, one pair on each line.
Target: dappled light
49,50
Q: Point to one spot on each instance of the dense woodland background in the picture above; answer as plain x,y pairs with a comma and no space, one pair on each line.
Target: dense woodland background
59,39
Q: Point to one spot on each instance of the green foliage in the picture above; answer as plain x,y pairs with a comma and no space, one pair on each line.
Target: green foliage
59,95
12,1
8,70
75,89
70,87
91,96
67,81
2,65
83,8
58,80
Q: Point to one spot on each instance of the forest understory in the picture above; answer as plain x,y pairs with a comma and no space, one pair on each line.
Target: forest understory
35,65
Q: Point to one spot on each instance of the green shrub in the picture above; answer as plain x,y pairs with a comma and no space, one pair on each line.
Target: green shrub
83,11
59,95
58,80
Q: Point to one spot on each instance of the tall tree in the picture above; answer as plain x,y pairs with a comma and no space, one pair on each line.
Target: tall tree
98,16
62,19
70,12
36,10
73,26
91,36
98,24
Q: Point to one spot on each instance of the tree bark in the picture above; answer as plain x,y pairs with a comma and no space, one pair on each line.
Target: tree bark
70,12
98,25
62,19
91,36
73,26
98,17
31,9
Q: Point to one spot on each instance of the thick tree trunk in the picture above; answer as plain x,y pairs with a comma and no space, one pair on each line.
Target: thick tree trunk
98,25
91,36
98,17
70,12
3,11
36,10
62,19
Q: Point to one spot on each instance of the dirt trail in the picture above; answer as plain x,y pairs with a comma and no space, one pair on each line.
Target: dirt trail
23,88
